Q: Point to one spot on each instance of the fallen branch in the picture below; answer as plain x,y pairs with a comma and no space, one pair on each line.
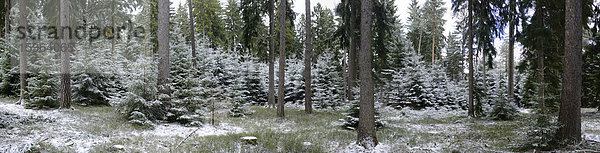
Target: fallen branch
189,135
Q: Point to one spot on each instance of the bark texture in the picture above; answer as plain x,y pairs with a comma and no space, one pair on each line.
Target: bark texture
470,45
281,90
570,113
511,50
163,48
22,52
192,33
271,94
366,125
65,74
352,54
307,61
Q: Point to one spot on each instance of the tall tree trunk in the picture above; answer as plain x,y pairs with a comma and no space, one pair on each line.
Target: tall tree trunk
163,48
433,46
511,49
570,113
484,69
470,45
366,125
193,34
271,96
352,55
22,52
307,61
112,22
281,84
420,40
65,79
541,86
540,61
345,75
7,7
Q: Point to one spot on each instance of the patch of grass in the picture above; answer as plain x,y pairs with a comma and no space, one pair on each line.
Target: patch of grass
103,120
277,134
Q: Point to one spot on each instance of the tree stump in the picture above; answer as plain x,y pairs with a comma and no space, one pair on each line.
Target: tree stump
250,140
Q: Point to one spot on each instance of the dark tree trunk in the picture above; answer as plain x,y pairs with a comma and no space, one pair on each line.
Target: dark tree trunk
192,33
470,45
281,84
366,125
271,96
570,113
484,70
352,54
65,75
511,49
163,48
540,63
307,61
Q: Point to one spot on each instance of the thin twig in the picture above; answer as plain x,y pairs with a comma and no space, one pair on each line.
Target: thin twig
189,135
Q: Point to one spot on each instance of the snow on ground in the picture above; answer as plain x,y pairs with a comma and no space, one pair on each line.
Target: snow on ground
165,130
355,148
61,131
593,137
65,130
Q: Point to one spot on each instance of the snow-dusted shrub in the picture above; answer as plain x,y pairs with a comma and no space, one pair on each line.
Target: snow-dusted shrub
140,119
237,107
350,122
542,133
8,79
327,84
421,86
502,108
294,82
95,72
91,89
186,106
140,101
42,92
250,83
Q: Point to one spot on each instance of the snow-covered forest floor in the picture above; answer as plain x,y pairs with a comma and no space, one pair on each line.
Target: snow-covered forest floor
101,129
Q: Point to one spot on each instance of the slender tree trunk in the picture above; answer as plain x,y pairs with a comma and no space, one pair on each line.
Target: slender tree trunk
193,34
366,125
470,45
570,113
484,69
433,46
7,7
420,39
113,32
281,84
541,98
352,55
307,61
65,79
22,52
511,49
271,96
163,48
540,61
345,75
